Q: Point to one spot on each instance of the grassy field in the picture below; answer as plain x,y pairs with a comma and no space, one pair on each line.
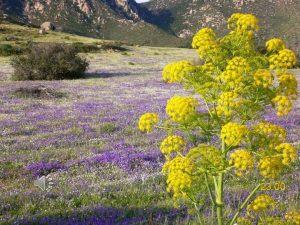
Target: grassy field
83,134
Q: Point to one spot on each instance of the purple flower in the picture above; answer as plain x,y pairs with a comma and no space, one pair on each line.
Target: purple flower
44,168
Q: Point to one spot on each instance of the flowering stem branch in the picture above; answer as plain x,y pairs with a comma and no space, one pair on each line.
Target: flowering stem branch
220,191
209,191
244,204
206,104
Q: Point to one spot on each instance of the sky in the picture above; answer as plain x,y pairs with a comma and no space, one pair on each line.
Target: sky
139,1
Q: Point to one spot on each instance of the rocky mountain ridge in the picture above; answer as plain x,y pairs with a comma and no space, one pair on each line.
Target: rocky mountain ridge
162,23
279,18
109,19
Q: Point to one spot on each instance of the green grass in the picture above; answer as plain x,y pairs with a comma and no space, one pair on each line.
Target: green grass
15,39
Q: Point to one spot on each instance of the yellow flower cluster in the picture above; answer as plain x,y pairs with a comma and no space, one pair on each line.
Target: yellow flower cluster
293,217
238,64
271,166
273,221
243,221
233,133
289,153
203,35
275,44
227,102
208,68
205,43
174,72
208,156
232,20
288,84
147,121
274,133
247,22
285,59
236,68
242,160
261,203
179,175
284,105
263,78
231,78
243,24
180,108
172,144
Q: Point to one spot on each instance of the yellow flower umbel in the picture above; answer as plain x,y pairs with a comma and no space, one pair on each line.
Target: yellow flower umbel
205,43
175,72
285,59
179,175
247,22
203,35
232,78
275,45
147,121
233,133
243,221
270,132
289,153
232,21
242,160
263,78
271,166
227,102
172,144
208,156
293,217
261,203
238,64
234,73
284,105
180,108
272,221
288,84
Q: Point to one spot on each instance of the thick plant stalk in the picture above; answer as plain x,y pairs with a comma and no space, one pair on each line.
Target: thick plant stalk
209,191
220,191
244,204
219,199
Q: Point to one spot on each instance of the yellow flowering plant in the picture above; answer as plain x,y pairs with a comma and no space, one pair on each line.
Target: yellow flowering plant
236,84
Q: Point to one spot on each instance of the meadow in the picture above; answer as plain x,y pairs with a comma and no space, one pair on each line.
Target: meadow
83,135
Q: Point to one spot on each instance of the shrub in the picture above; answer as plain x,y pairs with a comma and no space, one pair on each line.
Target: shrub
8,50
231,139
49,62
85,48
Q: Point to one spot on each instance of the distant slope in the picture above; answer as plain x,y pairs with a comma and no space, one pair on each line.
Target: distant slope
279,18
157,23
109,19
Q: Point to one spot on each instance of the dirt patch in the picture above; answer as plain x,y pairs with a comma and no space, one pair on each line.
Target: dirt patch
38,91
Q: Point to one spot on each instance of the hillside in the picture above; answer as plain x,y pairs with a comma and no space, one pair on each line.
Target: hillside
278,18
116,20
156,23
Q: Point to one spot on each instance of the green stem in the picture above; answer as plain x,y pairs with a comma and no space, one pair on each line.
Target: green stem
219,199
206,104
219,190
244,204
212,215
209,191
198,213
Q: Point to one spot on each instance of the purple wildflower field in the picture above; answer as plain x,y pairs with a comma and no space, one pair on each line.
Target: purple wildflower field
103,169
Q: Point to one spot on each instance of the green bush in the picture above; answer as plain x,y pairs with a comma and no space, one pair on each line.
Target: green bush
85,48
49,62
8,50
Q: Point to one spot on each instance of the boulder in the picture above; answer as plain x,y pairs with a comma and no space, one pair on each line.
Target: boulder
47,26
42,31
